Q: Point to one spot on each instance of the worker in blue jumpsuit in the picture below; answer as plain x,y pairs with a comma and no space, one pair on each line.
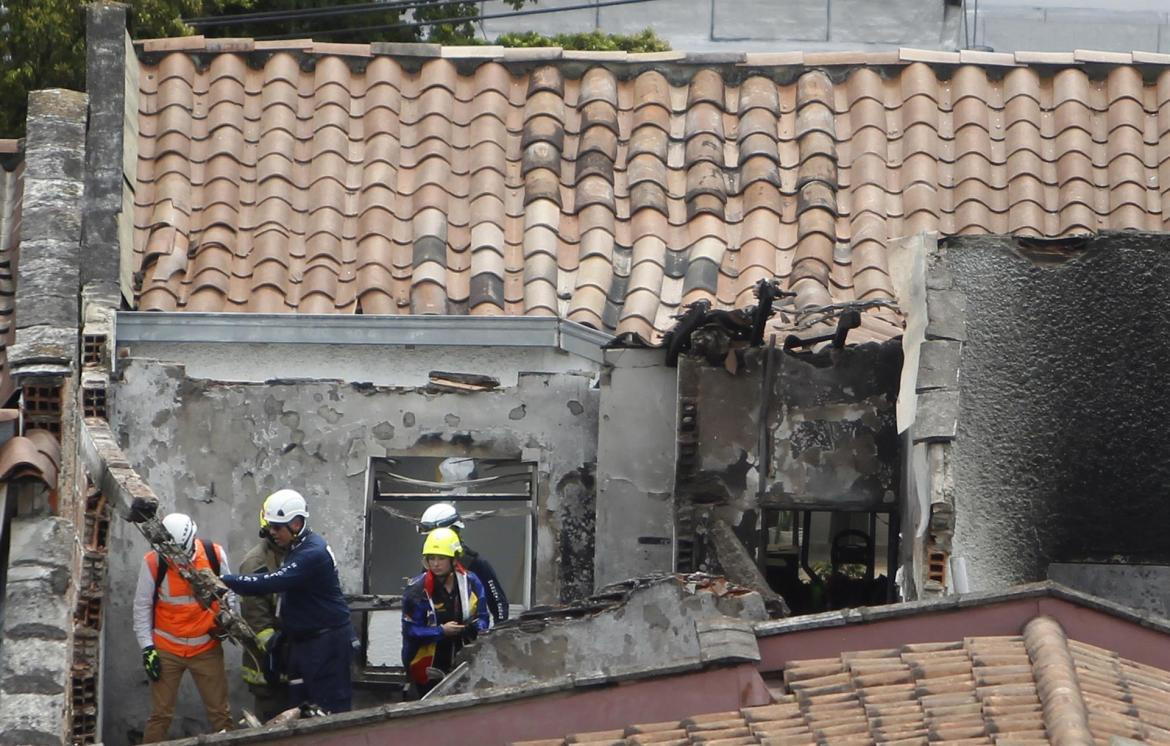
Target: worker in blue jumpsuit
442,610
314,617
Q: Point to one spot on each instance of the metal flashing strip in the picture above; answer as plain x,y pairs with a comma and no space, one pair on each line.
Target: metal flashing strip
457,331
583,341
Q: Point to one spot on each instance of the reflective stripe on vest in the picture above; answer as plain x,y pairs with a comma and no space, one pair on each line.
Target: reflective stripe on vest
181,626
188,641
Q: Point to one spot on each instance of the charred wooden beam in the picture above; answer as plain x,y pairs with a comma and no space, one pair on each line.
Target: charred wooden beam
739,567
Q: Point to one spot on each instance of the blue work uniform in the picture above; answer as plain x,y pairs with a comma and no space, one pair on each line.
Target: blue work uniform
314,619
425,607
494,596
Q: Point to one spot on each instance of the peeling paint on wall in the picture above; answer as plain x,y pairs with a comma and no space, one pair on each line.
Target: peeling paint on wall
215,449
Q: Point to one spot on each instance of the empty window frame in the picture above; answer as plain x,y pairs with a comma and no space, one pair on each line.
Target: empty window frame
822,560
495,498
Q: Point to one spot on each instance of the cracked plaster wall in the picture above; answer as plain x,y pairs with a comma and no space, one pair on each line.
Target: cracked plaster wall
1061,448
215,449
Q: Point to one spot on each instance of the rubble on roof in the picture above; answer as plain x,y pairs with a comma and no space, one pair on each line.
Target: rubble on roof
674,622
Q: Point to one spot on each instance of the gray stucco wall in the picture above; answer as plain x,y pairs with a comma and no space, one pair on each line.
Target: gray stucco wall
1142,587
1061,449
216,449
635,475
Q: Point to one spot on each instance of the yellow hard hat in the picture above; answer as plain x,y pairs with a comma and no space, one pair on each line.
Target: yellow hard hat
443,542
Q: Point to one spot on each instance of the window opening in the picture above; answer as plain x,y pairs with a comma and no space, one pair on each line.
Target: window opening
495,497
825,560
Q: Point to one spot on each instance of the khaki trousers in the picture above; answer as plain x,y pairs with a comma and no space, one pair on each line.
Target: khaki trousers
210,679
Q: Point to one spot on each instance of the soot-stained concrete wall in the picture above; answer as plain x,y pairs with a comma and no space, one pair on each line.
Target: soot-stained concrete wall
831,435
1141,587
1061,450
215,449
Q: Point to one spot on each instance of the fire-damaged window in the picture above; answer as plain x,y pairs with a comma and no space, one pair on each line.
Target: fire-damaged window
495,499
820,560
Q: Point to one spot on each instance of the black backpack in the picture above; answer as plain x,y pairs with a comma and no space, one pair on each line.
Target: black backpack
212,558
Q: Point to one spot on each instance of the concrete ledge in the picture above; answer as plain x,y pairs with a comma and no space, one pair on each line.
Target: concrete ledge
1044,589
334,329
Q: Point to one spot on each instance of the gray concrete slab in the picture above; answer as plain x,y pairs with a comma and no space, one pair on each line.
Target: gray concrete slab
911,23
770,20
687,21
1063,30
567,22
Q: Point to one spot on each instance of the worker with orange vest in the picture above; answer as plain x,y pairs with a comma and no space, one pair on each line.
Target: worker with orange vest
177,634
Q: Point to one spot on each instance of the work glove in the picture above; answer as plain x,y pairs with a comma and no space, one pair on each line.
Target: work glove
264,637
251,676
152,663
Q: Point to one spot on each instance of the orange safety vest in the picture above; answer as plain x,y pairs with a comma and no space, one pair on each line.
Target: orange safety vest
181,626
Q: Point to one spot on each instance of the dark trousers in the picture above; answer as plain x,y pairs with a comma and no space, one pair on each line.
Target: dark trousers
269,701
318,670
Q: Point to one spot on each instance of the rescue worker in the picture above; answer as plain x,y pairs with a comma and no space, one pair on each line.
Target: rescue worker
446,515
314,617
442,610
176,634
269,691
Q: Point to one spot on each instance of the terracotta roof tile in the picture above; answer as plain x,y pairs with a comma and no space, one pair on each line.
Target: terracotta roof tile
1032,689
607,195
35,455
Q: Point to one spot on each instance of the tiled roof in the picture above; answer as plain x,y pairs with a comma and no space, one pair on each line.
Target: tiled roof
611,188
35,455
1031,689
11,193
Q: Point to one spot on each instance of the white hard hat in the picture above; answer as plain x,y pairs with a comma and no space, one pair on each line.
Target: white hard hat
439,515
284,505
182,530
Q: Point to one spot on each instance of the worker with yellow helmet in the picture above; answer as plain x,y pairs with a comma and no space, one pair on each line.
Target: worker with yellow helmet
442,610
269,691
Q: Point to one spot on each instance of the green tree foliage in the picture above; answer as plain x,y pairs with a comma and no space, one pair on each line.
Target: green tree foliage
42,45
456,21
593,41
42,42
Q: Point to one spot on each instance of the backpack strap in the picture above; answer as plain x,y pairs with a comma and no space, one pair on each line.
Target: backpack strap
160,572
212,553
161,565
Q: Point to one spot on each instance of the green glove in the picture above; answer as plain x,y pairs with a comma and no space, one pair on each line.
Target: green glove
264,636
152,663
